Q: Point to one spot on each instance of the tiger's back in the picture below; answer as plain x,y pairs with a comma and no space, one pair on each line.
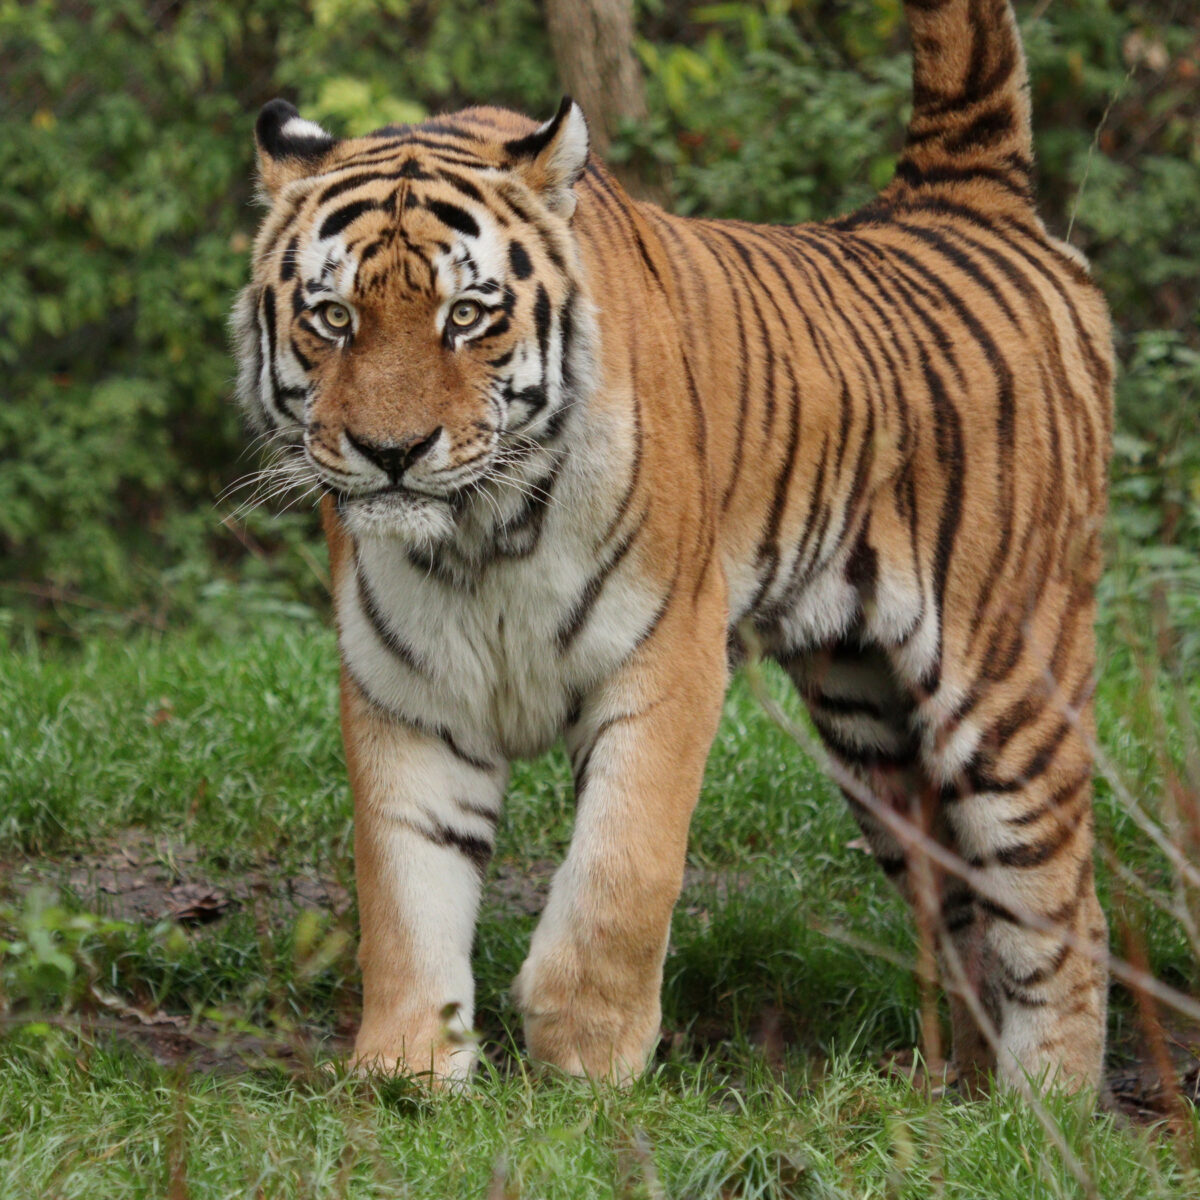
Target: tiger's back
875,447
906,421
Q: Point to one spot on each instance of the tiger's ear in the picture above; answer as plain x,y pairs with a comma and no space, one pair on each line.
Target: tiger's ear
552,158
289,147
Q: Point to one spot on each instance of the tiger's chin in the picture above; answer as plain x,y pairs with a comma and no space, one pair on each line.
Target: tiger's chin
406,517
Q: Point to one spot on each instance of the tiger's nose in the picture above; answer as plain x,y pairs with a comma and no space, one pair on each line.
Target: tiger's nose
395,458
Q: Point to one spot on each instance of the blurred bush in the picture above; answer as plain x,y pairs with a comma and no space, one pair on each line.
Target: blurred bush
126,217
126,158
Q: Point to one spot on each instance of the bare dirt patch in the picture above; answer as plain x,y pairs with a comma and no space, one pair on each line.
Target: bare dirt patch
142,878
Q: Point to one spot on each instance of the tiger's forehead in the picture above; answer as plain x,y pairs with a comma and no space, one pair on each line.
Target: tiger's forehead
427,208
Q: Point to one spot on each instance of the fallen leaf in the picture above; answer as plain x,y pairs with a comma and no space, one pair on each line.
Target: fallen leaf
197,903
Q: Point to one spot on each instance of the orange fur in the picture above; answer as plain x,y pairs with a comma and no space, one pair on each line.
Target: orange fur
882,441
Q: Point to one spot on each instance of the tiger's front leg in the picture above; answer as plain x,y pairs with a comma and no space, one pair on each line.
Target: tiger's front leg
424,827
590,988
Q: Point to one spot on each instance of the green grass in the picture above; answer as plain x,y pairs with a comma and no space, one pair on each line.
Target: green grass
225,749
114,1127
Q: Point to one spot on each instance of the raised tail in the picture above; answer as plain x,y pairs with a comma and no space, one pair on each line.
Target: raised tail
971,115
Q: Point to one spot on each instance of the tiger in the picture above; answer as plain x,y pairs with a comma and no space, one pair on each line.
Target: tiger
577,454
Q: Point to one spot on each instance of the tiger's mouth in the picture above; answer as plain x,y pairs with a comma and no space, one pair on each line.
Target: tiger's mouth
397,512
431,509
400,491
406,493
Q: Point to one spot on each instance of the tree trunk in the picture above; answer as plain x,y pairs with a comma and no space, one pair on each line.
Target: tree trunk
592,42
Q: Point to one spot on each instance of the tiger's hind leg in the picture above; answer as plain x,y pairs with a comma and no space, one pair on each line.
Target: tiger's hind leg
1006,739
1031,943
865,720
1022,957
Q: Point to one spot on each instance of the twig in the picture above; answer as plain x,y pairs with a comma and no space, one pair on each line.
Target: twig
1087,169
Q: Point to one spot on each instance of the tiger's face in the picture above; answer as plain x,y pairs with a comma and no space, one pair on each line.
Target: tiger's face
413,325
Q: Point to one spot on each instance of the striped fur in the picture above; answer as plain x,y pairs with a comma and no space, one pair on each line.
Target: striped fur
880,442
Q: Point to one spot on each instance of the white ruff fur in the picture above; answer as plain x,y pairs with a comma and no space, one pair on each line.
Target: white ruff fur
492,673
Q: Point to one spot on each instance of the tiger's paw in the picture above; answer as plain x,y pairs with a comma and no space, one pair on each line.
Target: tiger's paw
578,1028
440,1053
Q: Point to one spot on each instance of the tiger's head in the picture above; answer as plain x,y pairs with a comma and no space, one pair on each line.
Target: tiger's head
414,327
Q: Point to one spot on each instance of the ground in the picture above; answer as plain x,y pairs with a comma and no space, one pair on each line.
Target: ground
176,937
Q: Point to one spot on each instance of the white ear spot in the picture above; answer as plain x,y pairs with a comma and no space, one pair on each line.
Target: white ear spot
567,157
567,153
298,127
553,157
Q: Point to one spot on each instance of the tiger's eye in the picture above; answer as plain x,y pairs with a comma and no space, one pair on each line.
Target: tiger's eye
465,313
336,316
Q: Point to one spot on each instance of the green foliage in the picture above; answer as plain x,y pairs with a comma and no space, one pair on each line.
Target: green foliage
760,120
102,1124
125,223
126,217
1154,559
49,954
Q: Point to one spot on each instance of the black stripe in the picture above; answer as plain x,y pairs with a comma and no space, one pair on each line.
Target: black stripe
1064,792
663,605
276,392
980,777
287,265
635,468
566,324
949,441
964,262
984,131
338,220
305,362
439,125
1039,974
462,184
358,179
379,623
915,176
1016,995
440,732
455,217
769,546
863,756
490,815
446,152
512,198
541,320
499,326
518,260
369,252
444,735
1036,854
521,534
579,768
590,594
475,849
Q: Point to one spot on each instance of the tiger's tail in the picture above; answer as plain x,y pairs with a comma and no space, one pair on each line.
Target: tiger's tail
971,115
